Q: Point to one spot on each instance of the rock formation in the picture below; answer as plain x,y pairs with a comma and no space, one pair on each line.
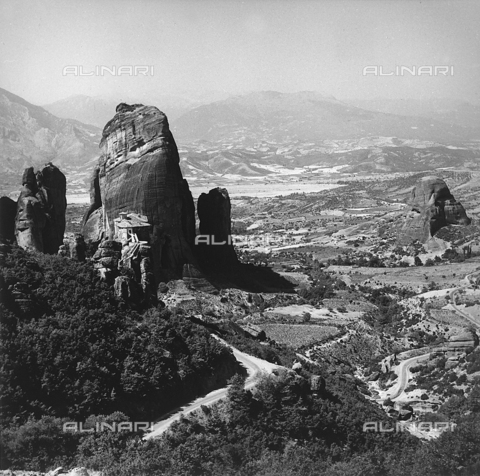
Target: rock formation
432,207
31,218
52,186
136,261
106,259
8,210
462,341
139,172
93,228
127,289
195,279
64,249
214,245
78,248
40,211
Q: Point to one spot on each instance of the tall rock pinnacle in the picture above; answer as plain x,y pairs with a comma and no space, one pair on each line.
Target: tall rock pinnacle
215,223
40,217
139,172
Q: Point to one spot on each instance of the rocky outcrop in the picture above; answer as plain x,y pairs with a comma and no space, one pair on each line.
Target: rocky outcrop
214,245
78,248
93,226
106,258
136,261
432,207
52,187
8,210
139,172
462,341
31,218
127,289
64,250
41,206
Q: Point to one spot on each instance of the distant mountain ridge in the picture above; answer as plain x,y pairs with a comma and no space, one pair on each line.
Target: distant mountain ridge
86,109
258,134
99,110
306,116
30,135
449,111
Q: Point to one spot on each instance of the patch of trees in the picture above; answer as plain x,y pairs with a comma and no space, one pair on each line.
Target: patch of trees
285,428
324,285
281,427
389,313
83,352
366,260
473,360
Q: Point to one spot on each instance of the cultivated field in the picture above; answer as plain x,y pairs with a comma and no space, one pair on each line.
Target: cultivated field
298,335
413,277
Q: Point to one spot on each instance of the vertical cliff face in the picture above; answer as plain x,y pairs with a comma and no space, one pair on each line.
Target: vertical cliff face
139,172
214,245
52,186
8,210
40,217
432,207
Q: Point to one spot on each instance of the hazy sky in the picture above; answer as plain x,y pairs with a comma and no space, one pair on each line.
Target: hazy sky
239,46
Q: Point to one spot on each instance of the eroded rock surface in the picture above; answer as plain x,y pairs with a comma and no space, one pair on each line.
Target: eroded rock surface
31,218
432,207
78,248
139,172
40,211
106,258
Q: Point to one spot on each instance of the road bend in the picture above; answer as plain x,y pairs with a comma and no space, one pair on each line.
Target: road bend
254,367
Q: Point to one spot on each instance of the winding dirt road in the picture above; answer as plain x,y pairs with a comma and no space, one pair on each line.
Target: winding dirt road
404,367
403,375
254,367
453,294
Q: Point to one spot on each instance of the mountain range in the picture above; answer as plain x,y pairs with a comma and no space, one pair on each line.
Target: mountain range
449,111
98,111
30,135
256,134
306,116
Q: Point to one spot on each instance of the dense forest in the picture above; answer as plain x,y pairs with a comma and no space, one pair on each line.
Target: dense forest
71,351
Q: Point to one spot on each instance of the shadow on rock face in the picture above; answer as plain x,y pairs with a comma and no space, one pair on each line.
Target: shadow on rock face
455,214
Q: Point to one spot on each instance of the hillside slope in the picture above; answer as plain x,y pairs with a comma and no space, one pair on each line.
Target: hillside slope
30,135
